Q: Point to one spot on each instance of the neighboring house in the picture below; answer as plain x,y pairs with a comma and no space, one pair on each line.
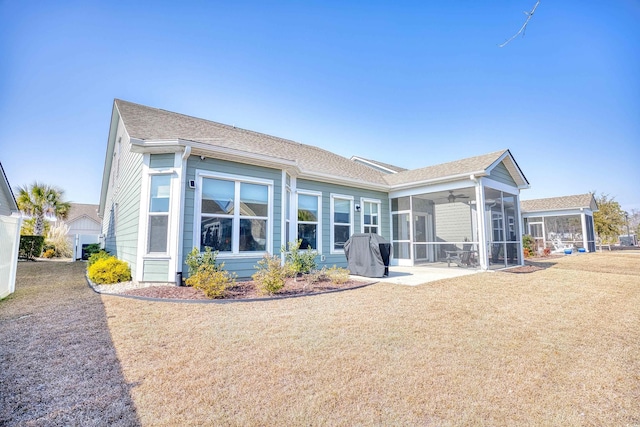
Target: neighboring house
172,182
561,222
85,226
10,222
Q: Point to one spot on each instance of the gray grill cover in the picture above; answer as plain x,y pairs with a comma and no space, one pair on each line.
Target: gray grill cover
363,255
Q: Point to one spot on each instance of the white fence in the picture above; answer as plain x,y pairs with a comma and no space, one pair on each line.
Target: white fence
9,244
78,240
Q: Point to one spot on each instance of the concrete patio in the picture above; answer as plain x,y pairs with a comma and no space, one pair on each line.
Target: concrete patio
417,275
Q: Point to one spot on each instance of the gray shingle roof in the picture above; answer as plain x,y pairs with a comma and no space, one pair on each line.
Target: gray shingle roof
78,210
459,167
377,163
559,203
148,123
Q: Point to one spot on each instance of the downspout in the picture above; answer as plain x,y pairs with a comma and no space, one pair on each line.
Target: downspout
481,219
183,184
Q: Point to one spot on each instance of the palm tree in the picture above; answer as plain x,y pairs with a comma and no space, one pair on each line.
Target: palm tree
40,200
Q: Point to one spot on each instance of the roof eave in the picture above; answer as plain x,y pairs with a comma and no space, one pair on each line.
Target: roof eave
449,178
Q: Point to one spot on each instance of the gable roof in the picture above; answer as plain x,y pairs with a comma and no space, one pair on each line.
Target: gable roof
4,186
578,201
477,165
149,127
78,210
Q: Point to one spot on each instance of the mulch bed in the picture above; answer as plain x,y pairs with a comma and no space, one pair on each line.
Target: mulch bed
245,290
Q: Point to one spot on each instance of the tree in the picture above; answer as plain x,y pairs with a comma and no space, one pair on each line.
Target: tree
609,219
40,201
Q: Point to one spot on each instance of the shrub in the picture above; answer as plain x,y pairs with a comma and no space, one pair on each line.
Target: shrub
528,243
49,253
338,275
30,246
97,257
109,270
527,254
300,262
271,274
196,259
211,279
89,250
546,251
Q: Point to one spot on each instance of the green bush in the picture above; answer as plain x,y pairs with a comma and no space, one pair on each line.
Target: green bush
89,250
109,270
30,246
527,243
212,280
300,261
271,275
97,257
197,259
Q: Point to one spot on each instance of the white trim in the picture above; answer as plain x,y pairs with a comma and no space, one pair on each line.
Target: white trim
332,198
496,185
143,218
378,202
434,188
372,164
318,223
201,174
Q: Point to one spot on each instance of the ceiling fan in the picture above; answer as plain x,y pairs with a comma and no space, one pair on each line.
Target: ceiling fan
452,197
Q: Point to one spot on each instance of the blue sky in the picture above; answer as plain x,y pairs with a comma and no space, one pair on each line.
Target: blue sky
408,83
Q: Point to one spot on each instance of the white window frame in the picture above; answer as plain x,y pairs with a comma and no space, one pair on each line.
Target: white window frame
236,179
333,223
378,202
148,253
318,223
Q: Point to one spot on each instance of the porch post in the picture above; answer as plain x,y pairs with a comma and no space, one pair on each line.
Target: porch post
583,221
483,256
520,227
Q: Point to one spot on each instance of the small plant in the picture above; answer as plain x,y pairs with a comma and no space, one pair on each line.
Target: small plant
546,251
300,262
338,275
212,280
49,253
196,259
271,275
109,270
97,257
527,254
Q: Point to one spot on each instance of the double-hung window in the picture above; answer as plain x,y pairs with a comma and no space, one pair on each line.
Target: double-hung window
370,216
341,221
158,228
309,220
234,215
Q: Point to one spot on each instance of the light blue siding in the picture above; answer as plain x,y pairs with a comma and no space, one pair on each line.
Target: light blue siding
165,160
155,270
243,267
357,193
122,210
501,174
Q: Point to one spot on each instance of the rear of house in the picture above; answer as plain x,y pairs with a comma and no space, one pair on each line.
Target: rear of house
174,182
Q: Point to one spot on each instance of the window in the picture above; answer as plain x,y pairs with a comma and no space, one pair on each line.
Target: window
234,215
158,229
370,216
308,220
341,221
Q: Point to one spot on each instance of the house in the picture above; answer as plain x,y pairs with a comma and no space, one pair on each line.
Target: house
10,222
85,226
561,222
173,182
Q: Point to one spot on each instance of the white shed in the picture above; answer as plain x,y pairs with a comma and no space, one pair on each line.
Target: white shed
84,225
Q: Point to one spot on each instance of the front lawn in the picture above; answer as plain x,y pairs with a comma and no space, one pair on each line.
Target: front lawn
559,346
